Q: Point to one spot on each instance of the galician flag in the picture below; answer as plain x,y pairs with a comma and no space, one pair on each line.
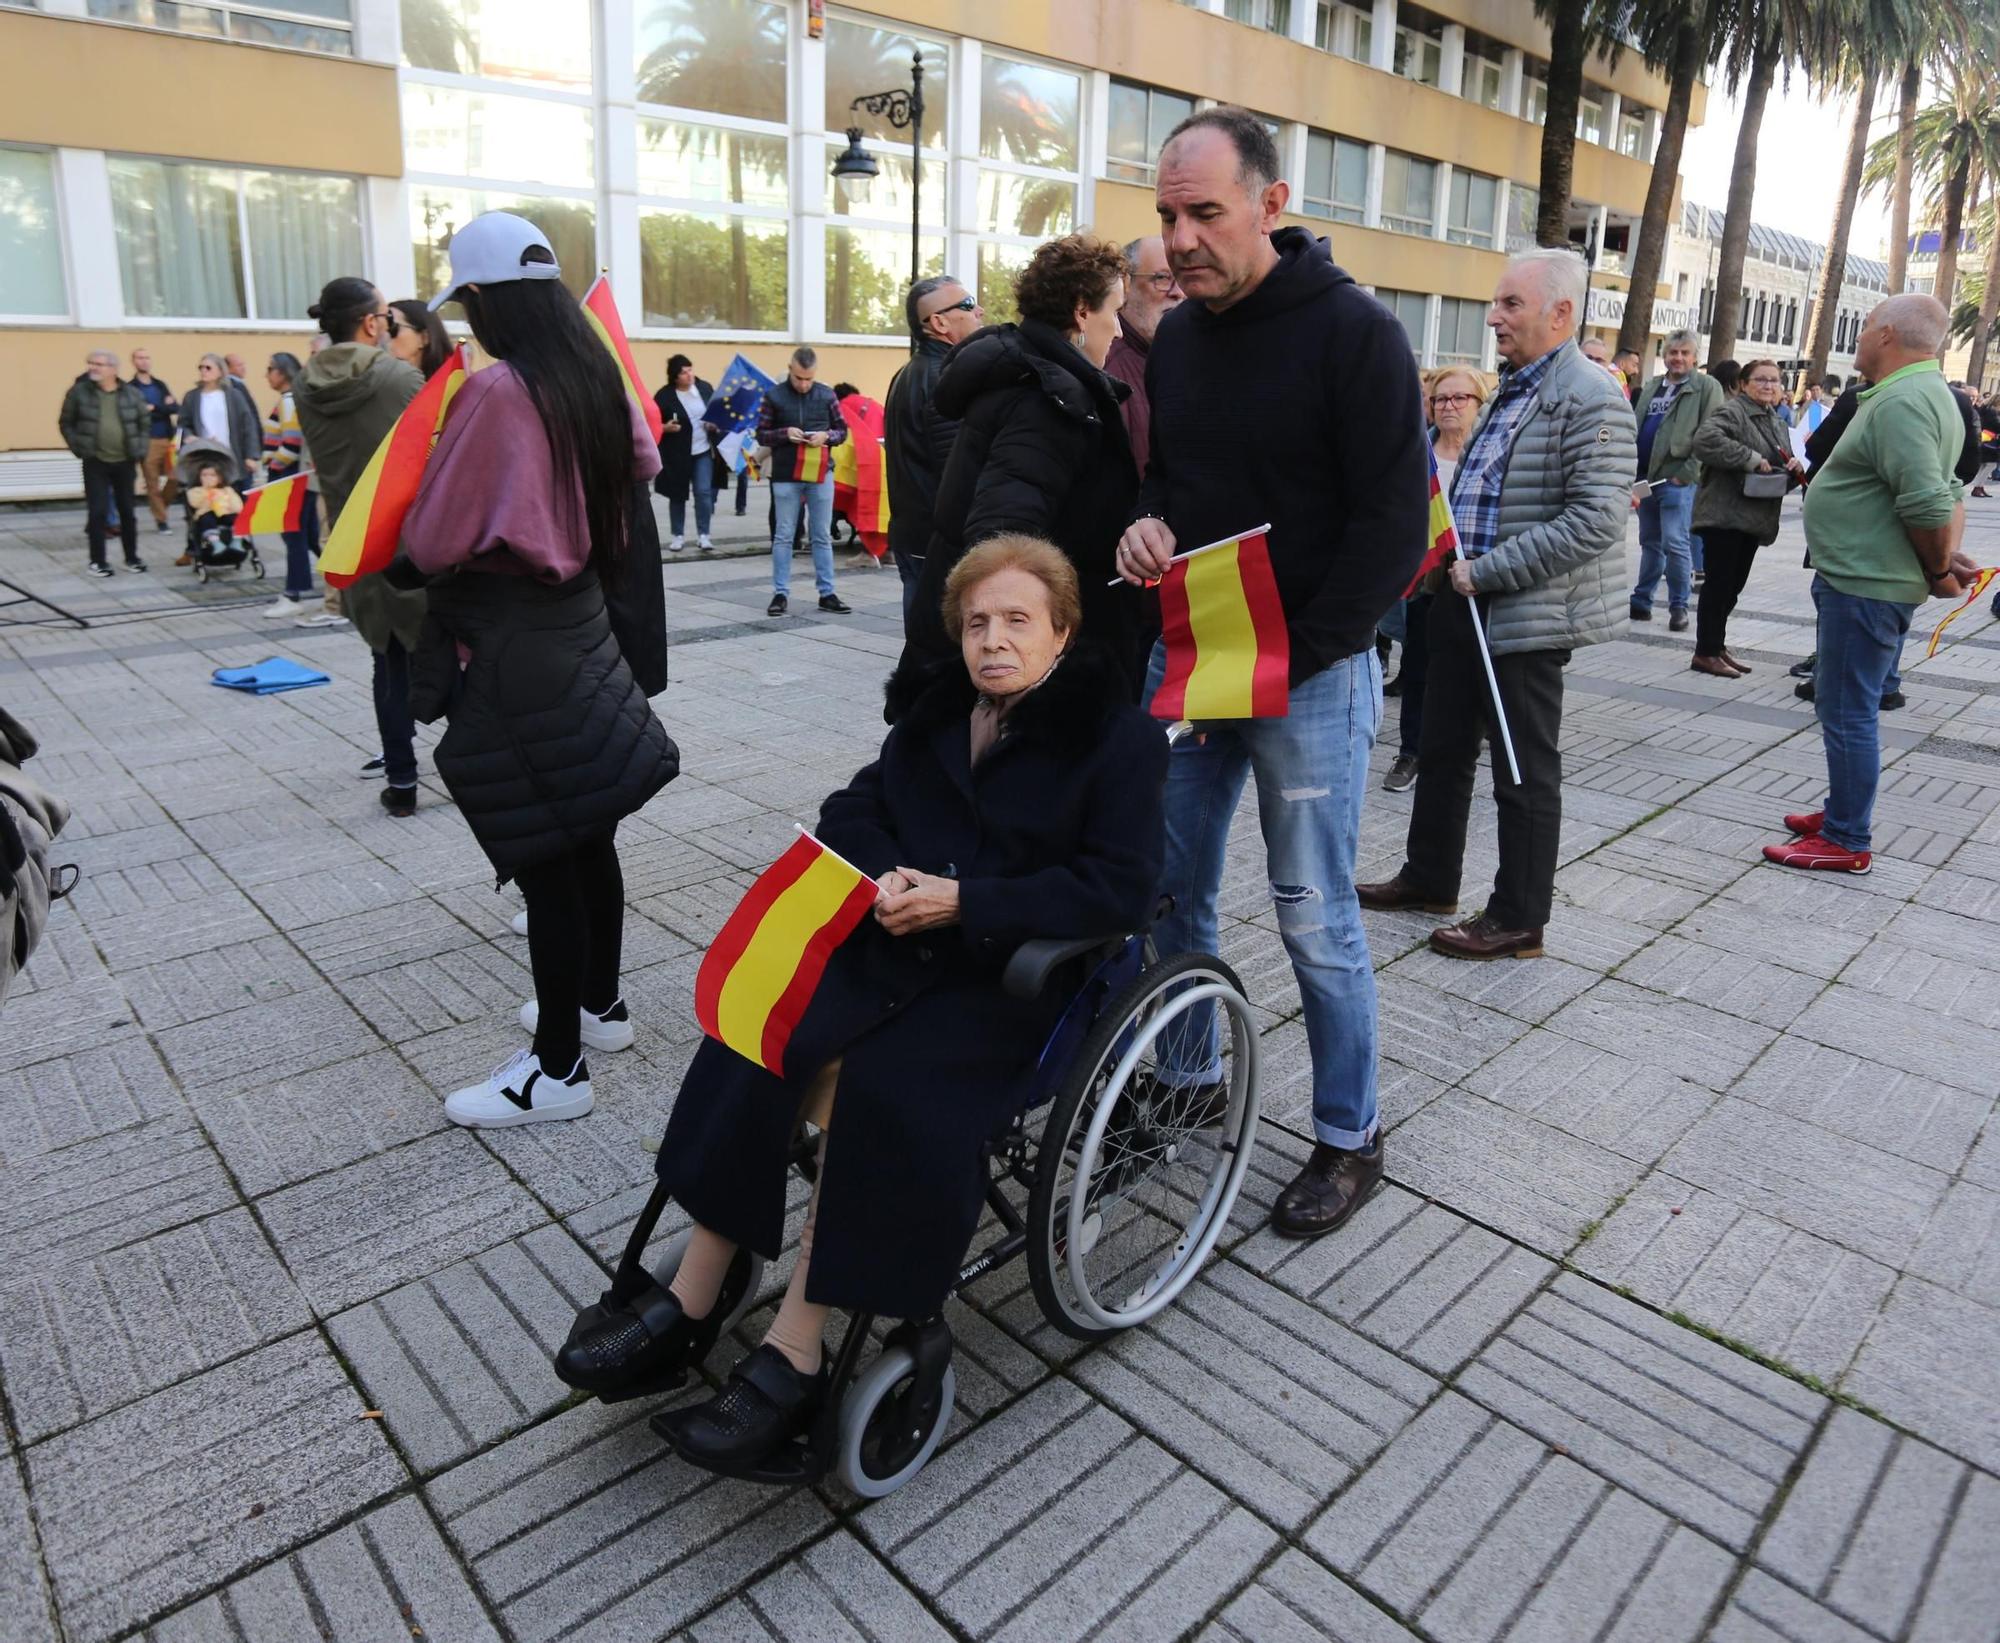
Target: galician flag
761,970
364,537
860,481
600,310
272,508
1229,655
1443,529
811,466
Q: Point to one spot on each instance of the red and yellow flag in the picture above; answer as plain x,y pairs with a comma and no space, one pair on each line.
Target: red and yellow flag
363,538
272,508
601,311
761,971
1444,530
810,468
1229,655
860,478
1980,583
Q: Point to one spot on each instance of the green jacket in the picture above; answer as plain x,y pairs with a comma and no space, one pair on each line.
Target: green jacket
1673,446
1730,444
83,408
1892,468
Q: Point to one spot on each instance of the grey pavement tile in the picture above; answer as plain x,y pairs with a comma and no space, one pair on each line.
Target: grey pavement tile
1259,1391
83,1338
376,1224
1622,891
1628,1107
1811,901
184,878
24,1583
1946,987
1285,1080
1696,1430
1983,1165
1695,1042
473,983
1962,1602
66,957
462,1357
1761,1610
1929,1364
388,1574
464,1054
1800,944
1944,934
385,938
143,1508
1441,1036
1531,991
262,1044
1734,983
1895,1112
55,1104
1960,1249
56,1020
161,935
260,972
571,1166
1593,940
1796,1298
835,1591
1295,1600
1055,1520
586,1529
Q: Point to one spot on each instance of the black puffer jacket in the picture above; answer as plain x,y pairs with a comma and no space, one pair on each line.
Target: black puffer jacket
916,445
83,409
1041,448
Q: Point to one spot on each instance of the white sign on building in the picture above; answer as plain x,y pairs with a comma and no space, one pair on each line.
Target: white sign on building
1608,308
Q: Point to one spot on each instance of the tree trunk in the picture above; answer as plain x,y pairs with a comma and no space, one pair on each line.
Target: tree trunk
1833,272
1566,56
1950,228
1736,217
1650,252
1906,156
1989,310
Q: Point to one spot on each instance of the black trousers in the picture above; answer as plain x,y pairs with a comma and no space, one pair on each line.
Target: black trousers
1415,674
576,932
1531,690
107,485
1728,556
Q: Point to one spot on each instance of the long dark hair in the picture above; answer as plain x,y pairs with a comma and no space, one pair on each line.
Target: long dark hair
537,327
437,344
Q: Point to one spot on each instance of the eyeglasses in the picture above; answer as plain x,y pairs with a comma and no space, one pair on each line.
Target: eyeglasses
1454,399
1159,282
388,318
964,306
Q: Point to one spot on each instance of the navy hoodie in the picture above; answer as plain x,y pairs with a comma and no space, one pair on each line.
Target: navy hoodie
1298,405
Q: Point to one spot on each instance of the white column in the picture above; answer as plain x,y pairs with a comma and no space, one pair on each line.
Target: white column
84,179
1651,140
1214,6
66,8
1096,141
1451,60
810,181
378,30
1614,106
385,228
618,204
1383,43
617,55
1443,198
962,246
1503,206
1378,159
1305,20
1513,69
1433,306
1292,152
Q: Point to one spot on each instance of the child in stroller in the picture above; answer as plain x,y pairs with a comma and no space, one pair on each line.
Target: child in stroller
206,473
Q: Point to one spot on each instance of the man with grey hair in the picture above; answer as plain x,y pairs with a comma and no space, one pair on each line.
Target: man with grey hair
916,441
1669,408
1151,293
799,422
1883,519
1541,496
106,424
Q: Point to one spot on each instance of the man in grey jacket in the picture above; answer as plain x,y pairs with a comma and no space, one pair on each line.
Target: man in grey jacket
1541,497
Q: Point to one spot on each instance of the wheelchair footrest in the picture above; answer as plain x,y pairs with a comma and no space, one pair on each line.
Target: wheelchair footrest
794,1463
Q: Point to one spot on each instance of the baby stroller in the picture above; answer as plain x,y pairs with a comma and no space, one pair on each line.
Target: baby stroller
212,546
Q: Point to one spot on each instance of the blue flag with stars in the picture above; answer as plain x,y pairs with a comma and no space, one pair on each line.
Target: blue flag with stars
735,407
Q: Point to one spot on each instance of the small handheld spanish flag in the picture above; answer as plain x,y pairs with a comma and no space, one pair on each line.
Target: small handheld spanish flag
763,967
600,311
363,539
1229,655
811,467
1981,581
272,508
1443,528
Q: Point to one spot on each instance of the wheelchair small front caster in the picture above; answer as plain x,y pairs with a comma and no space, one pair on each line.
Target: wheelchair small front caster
895,1412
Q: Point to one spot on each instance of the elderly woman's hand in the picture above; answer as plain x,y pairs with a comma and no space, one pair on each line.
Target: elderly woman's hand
892,883
929,904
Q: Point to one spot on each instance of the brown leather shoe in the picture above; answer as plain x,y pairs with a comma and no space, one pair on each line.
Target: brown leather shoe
1716,666
1741,667
1480,937
185,559
1331,1187
1395,895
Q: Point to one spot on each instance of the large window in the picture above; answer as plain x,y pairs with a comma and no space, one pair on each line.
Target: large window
1346,31
1336,182
437,211
1274,16
717,56
528,140
1029,139
1419,46
867,272
862,60
1409,194
1524,204
214,243
308,25
1632,133
1535,93
714,227
542,42
1461,331
31,266
1480,79
1590,114
1140,118
1409,307
1475,207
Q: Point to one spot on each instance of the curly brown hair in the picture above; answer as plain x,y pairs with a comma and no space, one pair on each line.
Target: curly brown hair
1063,274
1044,561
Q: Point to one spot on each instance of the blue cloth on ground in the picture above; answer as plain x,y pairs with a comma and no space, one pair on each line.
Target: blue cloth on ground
269,677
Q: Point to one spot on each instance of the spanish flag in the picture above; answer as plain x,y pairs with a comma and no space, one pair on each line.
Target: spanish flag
1229,655
1980,583
810,468
272,508
761,971
860,482
1444,530
601,311
363,539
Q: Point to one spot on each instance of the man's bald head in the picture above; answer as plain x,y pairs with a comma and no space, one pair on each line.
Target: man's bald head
1899,331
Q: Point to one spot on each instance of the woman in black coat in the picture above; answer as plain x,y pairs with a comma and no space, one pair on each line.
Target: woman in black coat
681,403
1018,797
1041,446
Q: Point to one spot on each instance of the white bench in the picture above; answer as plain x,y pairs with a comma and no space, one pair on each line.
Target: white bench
40,476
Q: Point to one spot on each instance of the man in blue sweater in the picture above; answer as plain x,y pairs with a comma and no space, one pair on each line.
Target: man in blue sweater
1282,391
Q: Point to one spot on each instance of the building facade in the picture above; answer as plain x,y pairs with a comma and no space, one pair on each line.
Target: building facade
185,175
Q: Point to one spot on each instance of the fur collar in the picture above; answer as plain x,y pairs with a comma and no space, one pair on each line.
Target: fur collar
1066,710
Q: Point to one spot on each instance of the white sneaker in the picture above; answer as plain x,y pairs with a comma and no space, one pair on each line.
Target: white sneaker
707,546
609,1031
285,609
521,924
321,619
519,1092
675,544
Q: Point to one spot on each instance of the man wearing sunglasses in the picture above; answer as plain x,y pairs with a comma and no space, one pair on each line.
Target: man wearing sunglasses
916,441
1151,292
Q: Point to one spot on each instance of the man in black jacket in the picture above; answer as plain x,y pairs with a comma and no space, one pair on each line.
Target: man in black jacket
1320,431
916,441
105,424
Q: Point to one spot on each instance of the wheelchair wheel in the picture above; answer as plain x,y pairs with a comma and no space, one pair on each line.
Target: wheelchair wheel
1145,1148
887,1432
670,1262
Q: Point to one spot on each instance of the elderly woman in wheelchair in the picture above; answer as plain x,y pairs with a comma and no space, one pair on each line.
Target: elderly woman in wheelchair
1014,825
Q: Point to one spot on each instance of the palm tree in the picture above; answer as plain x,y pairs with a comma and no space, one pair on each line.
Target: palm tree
1679,38
1953,142
1833,270
1979,295
1575,28
1905,175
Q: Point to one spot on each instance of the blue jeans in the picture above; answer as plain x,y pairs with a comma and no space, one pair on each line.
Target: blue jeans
300,545
392,716
787,496
1312,770
703,480
1665,544
1859,643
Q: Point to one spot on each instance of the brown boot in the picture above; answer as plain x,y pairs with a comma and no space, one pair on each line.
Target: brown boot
1480,937
1332,1186
1395,895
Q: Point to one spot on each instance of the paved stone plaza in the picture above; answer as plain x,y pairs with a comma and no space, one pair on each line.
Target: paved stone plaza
1681,1318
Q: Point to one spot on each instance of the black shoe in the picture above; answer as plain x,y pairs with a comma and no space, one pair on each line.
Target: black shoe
373,768
1804,670
1678,622
764,1405
1394,687
162,528
643,1346
833,605
778,606
1700,577
135,564
1894,699
1803,690
1639,615
1327,1191
97,568
400,801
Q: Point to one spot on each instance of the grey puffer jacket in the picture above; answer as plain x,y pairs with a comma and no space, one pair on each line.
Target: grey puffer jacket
1730,444
1557,574
30,818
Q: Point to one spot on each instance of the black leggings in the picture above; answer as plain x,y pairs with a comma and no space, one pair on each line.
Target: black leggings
576,925
1728,556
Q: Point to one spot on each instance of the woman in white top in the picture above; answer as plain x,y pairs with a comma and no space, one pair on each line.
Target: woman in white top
685,452
220,409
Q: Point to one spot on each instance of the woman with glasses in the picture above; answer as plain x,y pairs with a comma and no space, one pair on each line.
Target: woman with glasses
417,336
221,411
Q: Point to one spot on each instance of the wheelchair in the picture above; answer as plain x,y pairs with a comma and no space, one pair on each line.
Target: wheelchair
1114,1180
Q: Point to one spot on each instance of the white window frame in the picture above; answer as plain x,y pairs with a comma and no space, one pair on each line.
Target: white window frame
1632,121
230,9
1474,65
1427,50
1334,210
1351,22
66,262
1263,16
1395,222
1585,103
1461,234
1150,167
1439,356
978,161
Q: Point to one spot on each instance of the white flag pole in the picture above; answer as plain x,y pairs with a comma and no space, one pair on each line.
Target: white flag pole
1492,682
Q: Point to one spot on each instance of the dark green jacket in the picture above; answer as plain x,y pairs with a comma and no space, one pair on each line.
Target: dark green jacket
1730,444
83,407
1673,446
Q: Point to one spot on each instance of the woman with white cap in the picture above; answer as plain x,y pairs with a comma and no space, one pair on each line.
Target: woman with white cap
547,633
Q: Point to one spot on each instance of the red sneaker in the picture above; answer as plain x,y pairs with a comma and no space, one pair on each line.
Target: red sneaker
1806,823
1820,853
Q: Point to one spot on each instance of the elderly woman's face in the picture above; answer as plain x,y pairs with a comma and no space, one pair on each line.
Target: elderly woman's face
1008,639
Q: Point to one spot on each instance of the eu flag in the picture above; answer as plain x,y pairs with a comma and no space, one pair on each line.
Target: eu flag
735,407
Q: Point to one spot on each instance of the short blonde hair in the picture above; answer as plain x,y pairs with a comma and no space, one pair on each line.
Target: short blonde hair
1044,561
1476,378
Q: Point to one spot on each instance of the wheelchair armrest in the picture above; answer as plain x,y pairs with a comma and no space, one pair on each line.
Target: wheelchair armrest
1028,971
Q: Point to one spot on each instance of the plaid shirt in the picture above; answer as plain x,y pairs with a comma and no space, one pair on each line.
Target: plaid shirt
1475,489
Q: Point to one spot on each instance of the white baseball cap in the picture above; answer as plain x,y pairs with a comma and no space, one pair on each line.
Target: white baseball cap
490,250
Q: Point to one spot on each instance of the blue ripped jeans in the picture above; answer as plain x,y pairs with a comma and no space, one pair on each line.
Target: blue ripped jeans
1311,769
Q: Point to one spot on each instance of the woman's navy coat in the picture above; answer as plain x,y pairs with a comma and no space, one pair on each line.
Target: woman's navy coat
1058,833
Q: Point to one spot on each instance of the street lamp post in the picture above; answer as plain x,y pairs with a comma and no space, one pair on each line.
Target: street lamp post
857,168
